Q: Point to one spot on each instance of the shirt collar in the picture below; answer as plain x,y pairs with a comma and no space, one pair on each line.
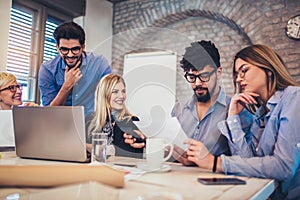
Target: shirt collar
275,98
271,103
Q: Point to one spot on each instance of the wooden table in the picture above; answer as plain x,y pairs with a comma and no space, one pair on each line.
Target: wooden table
178,183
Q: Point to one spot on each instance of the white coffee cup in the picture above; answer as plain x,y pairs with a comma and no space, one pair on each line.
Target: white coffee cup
155,151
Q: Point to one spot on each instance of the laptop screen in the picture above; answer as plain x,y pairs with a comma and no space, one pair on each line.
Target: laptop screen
53,132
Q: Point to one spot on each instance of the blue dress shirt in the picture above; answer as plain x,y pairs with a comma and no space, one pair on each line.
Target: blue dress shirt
206,129
51,79
271,149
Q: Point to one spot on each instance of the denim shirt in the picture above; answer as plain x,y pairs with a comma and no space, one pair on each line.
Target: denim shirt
206,129
272,151
51,79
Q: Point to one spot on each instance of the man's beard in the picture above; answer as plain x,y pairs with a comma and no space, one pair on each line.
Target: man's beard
74,57
206,97
202,98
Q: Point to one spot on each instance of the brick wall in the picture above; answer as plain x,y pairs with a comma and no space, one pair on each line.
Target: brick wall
150,25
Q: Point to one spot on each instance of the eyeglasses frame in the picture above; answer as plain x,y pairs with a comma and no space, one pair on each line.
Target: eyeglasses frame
199,76
70,49
12,88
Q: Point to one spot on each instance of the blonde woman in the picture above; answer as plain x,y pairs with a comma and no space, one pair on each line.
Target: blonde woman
10,92
271,149
110,99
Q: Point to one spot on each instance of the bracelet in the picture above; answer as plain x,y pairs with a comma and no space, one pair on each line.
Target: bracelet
215,164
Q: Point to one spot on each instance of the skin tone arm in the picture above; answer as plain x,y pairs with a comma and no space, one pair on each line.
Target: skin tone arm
72,76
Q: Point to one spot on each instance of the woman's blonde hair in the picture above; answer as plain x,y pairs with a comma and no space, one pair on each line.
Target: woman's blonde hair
102,107
6,78
267,59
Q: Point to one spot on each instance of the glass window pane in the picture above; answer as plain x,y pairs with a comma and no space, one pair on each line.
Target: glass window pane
19,47
50,43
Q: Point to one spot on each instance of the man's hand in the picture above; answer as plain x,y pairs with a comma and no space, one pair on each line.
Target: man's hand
199,154
72,76
181,156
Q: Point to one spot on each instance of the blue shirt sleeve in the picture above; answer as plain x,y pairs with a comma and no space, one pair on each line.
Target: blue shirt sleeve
47,85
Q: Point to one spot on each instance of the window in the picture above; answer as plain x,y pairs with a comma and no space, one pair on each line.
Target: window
19,48
31,42
50,43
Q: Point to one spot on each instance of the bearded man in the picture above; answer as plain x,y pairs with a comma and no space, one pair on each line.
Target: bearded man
200,115
70,79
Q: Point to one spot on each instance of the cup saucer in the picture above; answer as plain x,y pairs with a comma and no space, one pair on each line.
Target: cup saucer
145,167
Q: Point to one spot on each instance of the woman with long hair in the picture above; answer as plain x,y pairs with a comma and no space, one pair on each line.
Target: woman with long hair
110,107
271,149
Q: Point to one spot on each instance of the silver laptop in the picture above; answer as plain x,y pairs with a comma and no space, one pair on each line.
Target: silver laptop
6,129
53,133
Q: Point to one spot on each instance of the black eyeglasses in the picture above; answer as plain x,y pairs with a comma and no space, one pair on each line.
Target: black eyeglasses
204,77
240,73
65,50
12,88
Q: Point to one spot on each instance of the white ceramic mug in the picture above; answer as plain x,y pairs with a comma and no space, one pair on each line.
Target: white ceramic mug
155,152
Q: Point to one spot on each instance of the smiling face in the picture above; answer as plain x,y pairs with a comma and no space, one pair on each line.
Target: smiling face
9,98
70,52
118,96
250,78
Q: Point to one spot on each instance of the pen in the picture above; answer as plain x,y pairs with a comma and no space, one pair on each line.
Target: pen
125,165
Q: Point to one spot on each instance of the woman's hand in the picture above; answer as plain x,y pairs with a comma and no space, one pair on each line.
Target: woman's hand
239,100
30,104
132,141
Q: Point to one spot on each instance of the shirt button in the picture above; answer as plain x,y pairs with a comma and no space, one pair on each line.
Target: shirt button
234,120
256,149
76,95
233,140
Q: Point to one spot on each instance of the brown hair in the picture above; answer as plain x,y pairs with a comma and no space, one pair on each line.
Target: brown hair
267,59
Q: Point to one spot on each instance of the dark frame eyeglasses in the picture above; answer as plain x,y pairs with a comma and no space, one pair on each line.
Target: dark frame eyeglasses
12,88
203,77
74,50
240,73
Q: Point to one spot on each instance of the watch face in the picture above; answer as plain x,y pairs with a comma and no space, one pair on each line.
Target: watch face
293,28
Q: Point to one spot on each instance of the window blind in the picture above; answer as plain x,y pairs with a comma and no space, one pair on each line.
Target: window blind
20,44
50,43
